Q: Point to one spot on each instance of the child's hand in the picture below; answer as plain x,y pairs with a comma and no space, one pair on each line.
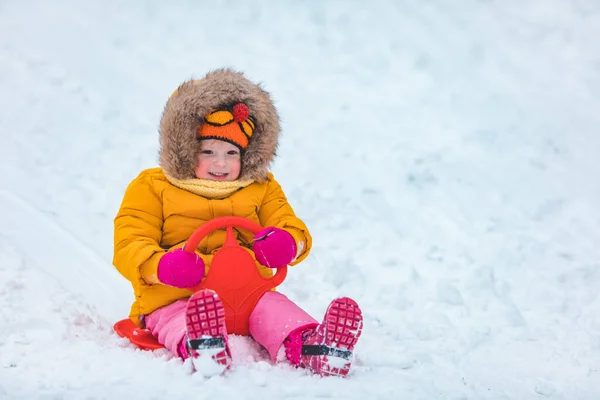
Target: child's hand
274,247
180,269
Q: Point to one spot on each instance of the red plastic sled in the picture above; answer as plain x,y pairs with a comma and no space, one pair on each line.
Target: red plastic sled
233,275
142,338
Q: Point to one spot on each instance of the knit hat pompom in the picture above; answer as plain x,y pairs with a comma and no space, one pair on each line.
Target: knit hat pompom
240,112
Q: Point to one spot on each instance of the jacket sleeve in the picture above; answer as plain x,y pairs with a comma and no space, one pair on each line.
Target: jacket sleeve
138,232
276,211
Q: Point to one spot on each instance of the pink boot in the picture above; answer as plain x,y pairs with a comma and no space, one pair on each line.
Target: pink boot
327,349
207,333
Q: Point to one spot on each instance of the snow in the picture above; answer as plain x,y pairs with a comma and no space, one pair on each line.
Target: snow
443,154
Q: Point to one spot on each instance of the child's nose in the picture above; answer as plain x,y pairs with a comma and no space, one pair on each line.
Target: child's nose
219,161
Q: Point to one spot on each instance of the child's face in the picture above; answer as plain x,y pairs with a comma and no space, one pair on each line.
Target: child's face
218,161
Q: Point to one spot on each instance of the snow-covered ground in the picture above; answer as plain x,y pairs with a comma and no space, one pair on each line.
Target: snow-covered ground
444,155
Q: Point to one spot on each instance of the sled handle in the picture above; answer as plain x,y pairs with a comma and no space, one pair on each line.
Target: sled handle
219,223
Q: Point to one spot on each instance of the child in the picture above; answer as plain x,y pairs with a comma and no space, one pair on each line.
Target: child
218,136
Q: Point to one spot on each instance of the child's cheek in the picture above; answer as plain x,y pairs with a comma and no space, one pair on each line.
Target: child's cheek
200,170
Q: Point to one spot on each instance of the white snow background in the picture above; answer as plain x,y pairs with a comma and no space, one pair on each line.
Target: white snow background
444,154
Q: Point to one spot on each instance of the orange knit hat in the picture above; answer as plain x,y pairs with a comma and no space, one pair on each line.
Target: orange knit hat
233,125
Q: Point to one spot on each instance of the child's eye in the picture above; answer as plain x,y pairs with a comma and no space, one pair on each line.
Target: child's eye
207,152
233,152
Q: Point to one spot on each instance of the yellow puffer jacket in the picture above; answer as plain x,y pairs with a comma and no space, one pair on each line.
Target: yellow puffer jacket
156,216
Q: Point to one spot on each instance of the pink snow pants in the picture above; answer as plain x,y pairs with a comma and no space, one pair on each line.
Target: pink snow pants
273,319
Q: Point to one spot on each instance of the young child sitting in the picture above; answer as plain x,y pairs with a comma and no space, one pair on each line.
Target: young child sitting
218,137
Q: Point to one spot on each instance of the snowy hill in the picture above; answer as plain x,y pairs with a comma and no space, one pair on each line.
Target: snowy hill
443,154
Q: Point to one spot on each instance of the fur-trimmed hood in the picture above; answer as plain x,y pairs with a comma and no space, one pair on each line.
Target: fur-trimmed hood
185,111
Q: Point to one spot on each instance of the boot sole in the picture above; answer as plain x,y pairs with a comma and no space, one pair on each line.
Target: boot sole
342,327
205,322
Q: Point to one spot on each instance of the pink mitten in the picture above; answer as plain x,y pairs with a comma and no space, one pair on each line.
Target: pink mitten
274,247
180,269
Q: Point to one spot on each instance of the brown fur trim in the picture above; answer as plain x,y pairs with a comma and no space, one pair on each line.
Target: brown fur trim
185,111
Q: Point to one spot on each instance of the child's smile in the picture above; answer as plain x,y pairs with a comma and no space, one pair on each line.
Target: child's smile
219,175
